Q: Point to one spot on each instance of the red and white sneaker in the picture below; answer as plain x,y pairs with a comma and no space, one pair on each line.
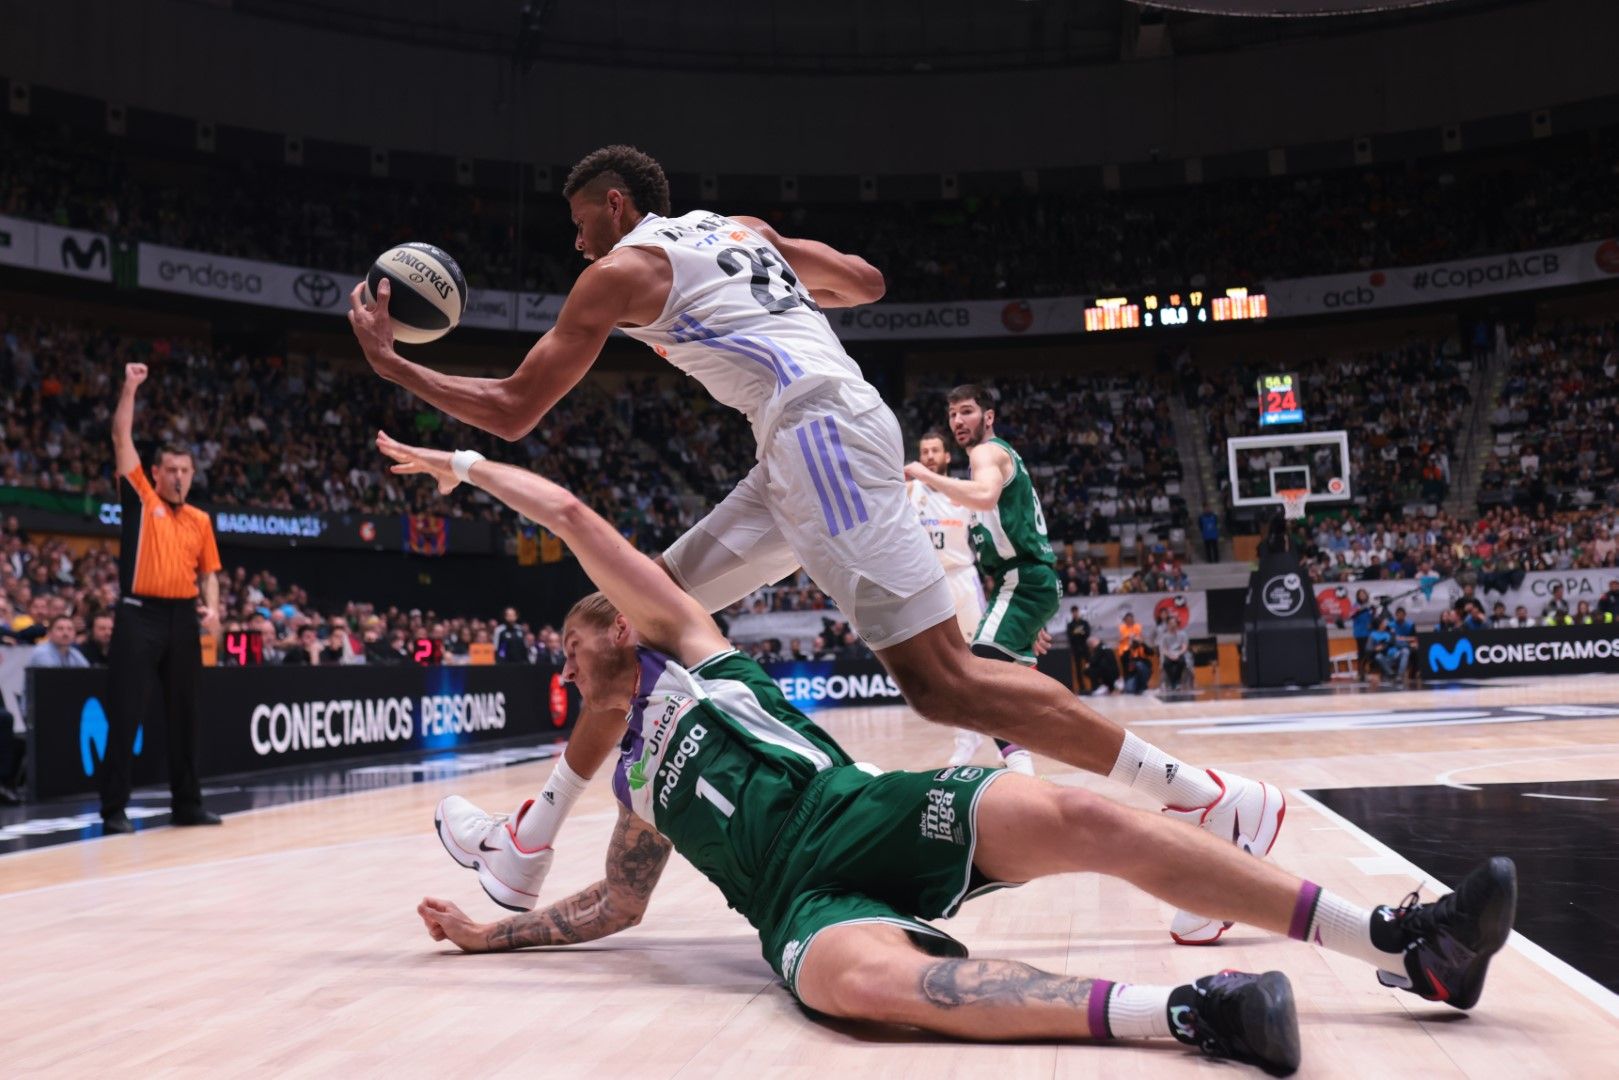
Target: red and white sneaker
1249,814
487,843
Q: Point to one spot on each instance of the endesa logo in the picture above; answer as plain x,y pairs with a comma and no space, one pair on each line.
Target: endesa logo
1441,658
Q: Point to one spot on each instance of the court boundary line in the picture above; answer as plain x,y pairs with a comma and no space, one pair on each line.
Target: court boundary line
283,805
1564,972
233,860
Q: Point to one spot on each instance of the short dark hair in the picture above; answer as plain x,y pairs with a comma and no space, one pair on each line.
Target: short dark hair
637,172
170,449
60,618
983,395
934,433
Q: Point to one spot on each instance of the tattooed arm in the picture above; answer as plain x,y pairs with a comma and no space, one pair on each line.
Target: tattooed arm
635,860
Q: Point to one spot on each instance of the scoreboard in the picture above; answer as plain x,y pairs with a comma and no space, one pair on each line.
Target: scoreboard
1174,309
1279,401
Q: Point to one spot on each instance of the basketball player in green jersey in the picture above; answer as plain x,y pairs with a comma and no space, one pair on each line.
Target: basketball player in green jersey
837,864
1008,533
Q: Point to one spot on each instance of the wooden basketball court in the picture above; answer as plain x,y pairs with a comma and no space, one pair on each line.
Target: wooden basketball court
286,942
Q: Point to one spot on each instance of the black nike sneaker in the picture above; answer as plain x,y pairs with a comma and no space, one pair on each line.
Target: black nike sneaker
1448,943
1247,1018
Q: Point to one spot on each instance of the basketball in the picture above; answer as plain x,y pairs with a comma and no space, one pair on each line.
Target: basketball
427,295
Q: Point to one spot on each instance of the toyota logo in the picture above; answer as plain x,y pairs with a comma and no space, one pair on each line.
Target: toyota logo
315,290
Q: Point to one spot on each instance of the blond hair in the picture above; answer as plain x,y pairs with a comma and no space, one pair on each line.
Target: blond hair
594,610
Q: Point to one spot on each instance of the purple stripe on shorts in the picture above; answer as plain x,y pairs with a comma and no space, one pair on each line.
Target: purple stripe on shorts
1304,910
815,476
848,474
1096,1009
831,475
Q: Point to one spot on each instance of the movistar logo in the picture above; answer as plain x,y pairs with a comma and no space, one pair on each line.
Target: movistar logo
93,728
1440,657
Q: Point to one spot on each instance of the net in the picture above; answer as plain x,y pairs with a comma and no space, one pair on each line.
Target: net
1293,500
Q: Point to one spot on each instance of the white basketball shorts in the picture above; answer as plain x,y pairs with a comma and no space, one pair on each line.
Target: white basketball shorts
828,494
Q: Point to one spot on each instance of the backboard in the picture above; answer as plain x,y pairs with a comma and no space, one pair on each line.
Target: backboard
1262,466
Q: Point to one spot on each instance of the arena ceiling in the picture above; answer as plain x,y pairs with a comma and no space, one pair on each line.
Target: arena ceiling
844,36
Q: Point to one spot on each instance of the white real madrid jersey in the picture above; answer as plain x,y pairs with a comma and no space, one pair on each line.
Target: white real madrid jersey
946,524
738,320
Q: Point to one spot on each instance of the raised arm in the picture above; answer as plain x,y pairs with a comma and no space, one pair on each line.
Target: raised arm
618,290
661,612
991,469
833,278
123,421
636,857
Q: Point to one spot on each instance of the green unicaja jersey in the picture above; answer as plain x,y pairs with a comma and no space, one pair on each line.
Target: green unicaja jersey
716,758
1015,531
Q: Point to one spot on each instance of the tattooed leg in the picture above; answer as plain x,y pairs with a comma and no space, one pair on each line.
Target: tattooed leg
873,972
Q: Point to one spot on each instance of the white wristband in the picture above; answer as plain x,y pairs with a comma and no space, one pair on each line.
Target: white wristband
461,463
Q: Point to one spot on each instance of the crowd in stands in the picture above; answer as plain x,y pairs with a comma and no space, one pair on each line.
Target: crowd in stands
43,582
1492,552
1220,233
1553,425
1100,450
294,433
1403,407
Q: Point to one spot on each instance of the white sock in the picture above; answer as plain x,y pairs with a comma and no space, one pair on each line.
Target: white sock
1134,1012
1019,761
539,826
1330,921
1171,781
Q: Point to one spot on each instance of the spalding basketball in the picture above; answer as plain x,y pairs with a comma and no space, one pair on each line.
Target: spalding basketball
427,292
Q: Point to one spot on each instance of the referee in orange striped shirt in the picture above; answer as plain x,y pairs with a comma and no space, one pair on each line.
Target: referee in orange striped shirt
167,552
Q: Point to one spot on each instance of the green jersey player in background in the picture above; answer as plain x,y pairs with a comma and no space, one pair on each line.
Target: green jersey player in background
1008,533
837,864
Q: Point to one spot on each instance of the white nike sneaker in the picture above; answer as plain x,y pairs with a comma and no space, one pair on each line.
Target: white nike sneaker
1249,813
967,743
487,843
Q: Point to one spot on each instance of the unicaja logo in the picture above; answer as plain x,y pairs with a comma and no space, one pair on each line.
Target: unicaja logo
1441,658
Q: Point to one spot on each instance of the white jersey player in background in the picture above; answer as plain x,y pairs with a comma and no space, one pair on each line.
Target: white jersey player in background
946,522
737,306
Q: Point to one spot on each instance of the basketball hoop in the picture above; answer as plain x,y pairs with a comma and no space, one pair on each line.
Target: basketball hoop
1293,500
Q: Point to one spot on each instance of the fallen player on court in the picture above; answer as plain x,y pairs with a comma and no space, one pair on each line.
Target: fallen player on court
740,308
837,864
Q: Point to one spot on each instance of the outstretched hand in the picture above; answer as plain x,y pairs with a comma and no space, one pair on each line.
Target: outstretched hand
447,922
372,326
417,459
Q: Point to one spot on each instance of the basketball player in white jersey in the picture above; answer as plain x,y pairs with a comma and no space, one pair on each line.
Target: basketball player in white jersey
738,307
945,523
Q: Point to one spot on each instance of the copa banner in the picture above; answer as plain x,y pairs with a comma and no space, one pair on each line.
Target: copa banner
55,250
963,319
1539,650
252,719
1424,605
1459,279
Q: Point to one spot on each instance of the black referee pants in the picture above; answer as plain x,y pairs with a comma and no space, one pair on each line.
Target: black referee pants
153,641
